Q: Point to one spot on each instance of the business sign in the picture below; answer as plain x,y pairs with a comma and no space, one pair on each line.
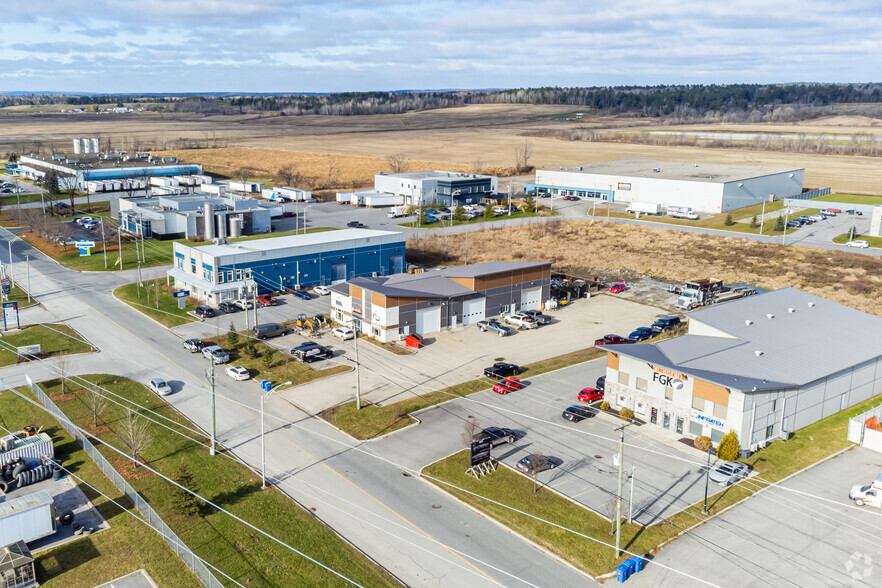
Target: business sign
83,243
10,315
697,416
639,408
28,349
668,378
181,294
624,186
6,284
480,452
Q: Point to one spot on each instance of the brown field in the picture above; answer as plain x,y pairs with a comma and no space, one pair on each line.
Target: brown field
595,248
467,138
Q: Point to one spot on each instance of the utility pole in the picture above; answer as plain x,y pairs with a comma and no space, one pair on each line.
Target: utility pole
139,278
786,220
621,431
103,243
631,500
706,482
509,199
209,373
28,261
762,217
247,326
11,267
119,244
254,299
357,366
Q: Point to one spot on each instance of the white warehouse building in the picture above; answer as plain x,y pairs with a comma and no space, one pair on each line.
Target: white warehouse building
704,187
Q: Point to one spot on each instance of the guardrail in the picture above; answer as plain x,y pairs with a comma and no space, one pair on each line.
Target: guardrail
190,559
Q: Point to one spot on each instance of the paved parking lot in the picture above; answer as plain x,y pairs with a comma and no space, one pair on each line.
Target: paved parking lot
780,538
669,475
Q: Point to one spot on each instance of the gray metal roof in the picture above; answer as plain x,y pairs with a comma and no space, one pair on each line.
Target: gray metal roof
490,267
24,503
807,338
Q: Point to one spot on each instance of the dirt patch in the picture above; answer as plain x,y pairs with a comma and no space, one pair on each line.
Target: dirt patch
58,397
128,470
664,255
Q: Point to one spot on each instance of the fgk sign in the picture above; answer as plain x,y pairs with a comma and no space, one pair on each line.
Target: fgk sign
668,378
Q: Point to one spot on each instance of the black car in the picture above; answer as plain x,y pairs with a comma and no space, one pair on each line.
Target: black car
227,307
793,224
665,323
354,224
600,384
538,317
495,436
204,311
577,413
309,352
501,370
193,345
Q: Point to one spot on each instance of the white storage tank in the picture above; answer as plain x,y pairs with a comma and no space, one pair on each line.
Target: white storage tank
221,226
209,222
76,147
94,142
235,226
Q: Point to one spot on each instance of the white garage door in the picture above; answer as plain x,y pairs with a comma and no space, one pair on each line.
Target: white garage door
473,310
531,298
428,320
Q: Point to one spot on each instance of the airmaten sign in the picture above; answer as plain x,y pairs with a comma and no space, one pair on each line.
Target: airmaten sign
623,186
181,294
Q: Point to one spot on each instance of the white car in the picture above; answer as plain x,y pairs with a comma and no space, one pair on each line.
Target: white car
322,290
500,209
83,220
238,373
160,386
520,320
345,333
860,243
244,304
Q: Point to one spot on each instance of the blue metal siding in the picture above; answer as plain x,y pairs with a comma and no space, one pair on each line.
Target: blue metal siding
316,269
160,170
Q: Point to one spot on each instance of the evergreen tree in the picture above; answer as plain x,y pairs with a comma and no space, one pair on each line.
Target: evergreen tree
185,503
779,224
728,449
459,212
729,221
233,337
529,203
753,222
488,211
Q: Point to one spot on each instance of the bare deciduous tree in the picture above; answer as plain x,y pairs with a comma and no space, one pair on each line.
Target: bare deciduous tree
64,372
244,173
333,172
289,175
523,154
538,463
135,435
470,428
397,163
97,404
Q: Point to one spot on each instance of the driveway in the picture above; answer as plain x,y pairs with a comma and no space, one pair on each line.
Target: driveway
780,538
669,475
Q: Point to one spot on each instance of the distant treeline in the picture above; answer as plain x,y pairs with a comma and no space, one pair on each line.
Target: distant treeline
649,101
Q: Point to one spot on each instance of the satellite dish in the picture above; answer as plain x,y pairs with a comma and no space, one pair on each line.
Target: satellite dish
677,384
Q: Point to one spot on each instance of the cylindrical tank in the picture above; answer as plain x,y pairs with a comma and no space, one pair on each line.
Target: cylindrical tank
87,145
221,226
76,146
94,141
209,221
235,226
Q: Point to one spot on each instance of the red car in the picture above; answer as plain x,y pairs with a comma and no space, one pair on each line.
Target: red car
507,385
266,300
611,340
618,287
590,395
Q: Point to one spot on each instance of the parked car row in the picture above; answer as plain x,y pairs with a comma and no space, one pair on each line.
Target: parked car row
661,325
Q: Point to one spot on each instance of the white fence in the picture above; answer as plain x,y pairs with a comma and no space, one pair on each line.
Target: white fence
859,432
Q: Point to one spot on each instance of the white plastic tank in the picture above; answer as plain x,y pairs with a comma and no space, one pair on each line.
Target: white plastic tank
235,226
76,146
209,222
87,145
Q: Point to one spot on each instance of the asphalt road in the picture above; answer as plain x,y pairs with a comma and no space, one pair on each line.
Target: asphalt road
418,533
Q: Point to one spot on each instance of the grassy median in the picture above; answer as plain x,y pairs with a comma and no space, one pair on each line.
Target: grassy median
154,299
249,557
777,461
872,241
54,339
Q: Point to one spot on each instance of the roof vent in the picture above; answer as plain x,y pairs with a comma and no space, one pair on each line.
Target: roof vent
758,353
770,316
811,304
791,309
748,322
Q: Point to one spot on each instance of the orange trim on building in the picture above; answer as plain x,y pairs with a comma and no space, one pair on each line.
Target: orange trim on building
710,392
612,360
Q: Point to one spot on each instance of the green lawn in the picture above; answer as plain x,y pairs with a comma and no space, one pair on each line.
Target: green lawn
127,546
52,343
850,199
718,221
19,295
372,420
251,558
873,241
777,461
143,299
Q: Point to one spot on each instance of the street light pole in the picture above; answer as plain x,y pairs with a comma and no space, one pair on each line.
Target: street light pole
621,431
762,217
11,267
357,367
706,482
210,374
631,500
28,261
786,220
263,398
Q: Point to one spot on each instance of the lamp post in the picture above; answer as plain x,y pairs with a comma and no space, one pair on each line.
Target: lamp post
621,431
262,432
706,482
305,208
786,220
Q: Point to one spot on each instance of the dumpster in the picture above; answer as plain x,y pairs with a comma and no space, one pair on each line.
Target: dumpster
415,341
639,562
622,572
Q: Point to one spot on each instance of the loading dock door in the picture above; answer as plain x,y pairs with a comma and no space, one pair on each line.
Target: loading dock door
531,298
428,320
473,310
338,273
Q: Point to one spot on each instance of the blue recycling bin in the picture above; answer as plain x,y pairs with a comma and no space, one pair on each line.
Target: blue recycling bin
622,572
263,385
629,564
639,562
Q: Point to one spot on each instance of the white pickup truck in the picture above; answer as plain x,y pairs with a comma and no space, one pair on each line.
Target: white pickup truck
870,494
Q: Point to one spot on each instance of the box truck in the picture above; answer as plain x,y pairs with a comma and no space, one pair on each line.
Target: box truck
644,208
397,211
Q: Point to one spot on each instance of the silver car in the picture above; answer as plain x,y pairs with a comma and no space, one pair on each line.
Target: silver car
160,386
729,472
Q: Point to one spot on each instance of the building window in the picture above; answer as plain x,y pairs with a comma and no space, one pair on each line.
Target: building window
720,411
180,263
716,436
220,277
640,384
238,275
698,403
623,378
695,428
770,430
193,266
669,393
773,406
230,276
248,274
679,424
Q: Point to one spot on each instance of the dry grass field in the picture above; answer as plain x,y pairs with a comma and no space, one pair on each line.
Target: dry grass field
614,251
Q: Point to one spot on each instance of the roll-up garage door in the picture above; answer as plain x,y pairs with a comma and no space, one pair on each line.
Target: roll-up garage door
473,310
531,298
428,320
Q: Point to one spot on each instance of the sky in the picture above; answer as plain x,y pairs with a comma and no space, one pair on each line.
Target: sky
353,45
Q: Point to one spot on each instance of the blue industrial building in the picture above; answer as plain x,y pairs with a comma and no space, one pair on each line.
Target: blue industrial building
214,273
